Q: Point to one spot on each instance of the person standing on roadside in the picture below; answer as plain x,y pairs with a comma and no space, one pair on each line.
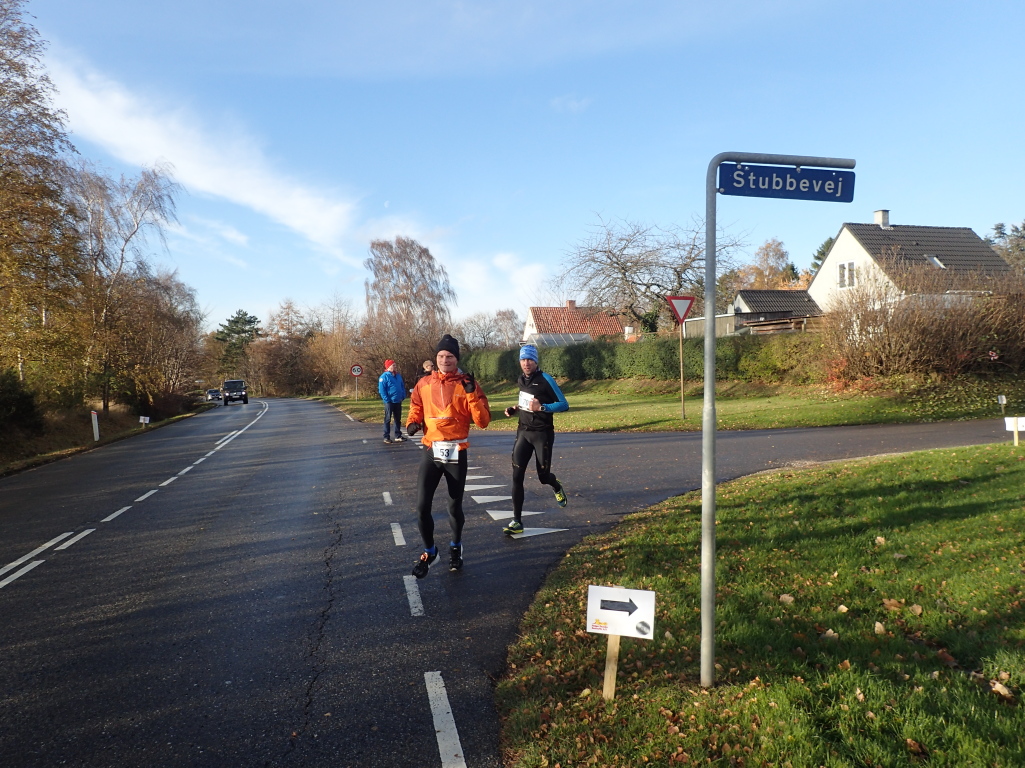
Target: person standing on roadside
443,405
540,397
392,389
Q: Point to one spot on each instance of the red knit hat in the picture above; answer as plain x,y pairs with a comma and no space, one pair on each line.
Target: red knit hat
388,364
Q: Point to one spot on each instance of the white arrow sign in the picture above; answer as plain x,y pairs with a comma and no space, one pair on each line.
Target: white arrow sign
618,611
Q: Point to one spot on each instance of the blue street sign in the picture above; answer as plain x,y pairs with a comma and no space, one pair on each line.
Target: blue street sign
792,183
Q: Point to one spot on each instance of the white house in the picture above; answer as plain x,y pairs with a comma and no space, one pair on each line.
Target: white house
864,251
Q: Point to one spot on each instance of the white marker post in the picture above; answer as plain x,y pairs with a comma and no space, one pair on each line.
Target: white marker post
615,612
96,427
1015,424
144,420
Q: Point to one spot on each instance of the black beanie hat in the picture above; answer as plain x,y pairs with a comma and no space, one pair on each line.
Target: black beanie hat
448,344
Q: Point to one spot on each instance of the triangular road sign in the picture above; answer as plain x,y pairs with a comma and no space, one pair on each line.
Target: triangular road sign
536,532
505,514
680,305
490,499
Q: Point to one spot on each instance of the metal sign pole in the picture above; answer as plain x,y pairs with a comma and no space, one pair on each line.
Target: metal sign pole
708,414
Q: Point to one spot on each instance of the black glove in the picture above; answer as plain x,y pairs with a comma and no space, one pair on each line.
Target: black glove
511,410
469,383
412,429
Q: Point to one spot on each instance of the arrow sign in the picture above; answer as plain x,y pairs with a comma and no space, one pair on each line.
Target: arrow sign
680,305
614,605
618,611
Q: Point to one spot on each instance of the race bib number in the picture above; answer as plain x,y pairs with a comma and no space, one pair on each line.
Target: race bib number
525,400
446,451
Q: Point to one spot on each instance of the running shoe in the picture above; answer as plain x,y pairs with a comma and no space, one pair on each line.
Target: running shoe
514,527
400,439
455,553
560,496
387,441
424,564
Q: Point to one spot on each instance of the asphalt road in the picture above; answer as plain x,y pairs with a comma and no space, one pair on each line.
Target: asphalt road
232,589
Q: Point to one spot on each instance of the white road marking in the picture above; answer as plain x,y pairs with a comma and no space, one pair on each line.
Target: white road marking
505,514
444,723
79,537
184,471
478,477
351,419
536,532
482,487
226,437
35,552
416,605
147,495
168,481
471,469
108,518
20,573
209,455
364,442
387,498
396,532
490,499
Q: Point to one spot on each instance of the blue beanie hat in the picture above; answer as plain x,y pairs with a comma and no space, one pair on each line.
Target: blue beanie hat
529,352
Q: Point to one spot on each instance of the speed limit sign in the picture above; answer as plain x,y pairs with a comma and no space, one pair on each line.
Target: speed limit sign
356,370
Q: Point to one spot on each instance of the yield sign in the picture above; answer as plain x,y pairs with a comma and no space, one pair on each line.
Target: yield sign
680,305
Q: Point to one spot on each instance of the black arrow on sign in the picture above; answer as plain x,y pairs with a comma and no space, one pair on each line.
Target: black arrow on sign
616,605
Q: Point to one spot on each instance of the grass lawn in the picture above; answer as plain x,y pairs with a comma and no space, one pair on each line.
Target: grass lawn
870,614
650,406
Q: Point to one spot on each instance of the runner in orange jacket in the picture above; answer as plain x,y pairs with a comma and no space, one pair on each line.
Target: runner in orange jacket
443,405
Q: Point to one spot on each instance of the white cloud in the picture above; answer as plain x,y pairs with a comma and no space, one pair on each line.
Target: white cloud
570,104
230,165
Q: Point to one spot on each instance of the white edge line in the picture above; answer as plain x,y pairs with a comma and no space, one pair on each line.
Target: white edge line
147,495
416,605
169,480
79,537
20,573
108,518
35,552
444,723
396,532
349,417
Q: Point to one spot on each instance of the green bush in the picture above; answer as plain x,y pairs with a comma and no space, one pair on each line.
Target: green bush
18,405
790,358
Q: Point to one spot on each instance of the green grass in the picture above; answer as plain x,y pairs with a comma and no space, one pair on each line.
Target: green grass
652,406
924,552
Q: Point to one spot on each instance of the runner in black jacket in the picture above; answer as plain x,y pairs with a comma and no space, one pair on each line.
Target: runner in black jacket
540,397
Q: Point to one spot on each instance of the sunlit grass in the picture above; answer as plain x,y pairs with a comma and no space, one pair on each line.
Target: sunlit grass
870,613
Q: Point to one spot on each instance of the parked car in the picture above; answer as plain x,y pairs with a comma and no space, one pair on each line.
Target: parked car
235,389
213,394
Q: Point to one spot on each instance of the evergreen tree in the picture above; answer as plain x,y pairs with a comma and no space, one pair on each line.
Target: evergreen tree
237,334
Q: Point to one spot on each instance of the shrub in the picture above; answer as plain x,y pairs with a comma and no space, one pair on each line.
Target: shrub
18,405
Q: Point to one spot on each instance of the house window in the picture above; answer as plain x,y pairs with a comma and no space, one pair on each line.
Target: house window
845,275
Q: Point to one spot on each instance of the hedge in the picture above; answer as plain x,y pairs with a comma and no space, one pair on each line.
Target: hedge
782,357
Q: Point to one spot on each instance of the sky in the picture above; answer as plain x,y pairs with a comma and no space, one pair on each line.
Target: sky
499,133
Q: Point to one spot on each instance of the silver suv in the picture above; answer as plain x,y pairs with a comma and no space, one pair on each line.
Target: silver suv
235,389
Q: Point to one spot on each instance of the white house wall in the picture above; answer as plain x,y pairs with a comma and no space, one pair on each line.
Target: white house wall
846,250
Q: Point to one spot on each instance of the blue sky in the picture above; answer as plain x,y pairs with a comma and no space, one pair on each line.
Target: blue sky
496,133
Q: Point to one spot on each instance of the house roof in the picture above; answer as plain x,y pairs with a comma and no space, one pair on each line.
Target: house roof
797,302
959,249
591,320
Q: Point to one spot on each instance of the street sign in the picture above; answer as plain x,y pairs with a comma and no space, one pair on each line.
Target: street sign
356,370
618,611
680,305
793,183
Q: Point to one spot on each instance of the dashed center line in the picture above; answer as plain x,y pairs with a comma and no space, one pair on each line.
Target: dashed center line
20,573
147,495
185,470
33,553
108,518
168,481
416,605
444,723
396,532
79,537
387,498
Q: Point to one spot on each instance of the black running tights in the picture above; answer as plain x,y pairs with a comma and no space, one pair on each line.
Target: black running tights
540,444
427,482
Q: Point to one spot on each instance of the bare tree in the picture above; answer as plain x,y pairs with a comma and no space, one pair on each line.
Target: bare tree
510,328
407,300
630,268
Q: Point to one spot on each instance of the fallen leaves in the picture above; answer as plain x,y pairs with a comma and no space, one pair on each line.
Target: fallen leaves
842,609
946,658
880,629
786,599
892,605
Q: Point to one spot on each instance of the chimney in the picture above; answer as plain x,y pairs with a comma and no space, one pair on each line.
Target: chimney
571,304
883,218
